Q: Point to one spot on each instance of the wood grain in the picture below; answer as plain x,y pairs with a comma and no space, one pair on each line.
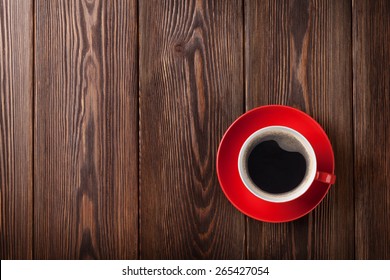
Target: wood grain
371,92
93,167
298,53
16,95
86,139
191,89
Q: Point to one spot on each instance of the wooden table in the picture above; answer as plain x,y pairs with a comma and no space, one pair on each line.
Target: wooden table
111,113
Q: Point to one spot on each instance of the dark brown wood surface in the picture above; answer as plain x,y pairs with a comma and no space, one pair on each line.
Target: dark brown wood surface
298,53
191,78
86,138
16,119
371,93
111,113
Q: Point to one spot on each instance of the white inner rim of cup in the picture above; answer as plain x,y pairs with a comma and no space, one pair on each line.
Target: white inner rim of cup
289,140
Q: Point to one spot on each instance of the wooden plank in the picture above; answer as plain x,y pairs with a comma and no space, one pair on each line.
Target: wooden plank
86,138
371,88
191,89
298,53
16,95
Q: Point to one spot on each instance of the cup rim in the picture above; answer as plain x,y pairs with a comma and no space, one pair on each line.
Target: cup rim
287,196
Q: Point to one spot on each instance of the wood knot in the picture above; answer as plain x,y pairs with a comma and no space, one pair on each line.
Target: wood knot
179,48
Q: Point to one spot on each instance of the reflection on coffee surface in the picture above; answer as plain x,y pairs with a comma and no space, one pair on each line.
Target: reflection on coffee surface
275,170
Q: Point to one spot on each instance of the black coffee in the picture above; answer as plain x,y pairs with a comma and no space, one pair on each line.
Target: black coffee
275,170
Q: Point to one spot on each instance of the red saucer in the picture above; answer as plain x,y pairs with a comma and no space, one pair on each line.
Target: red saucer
227,166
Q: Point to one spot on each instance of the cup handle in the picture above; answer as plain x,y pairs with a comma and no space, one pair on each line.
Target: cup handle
325,177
